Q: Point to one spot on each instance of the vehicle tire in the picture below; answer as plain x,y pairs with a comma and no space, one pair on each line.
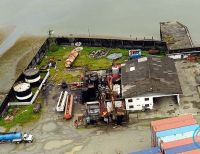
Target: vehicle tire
30,141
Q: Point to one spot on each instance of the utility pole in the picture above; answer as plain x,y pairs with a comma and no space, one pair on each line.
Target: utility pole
89,32
51,40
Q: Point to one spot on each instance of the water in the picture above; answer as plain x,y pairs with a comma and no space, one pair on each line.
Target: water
128,18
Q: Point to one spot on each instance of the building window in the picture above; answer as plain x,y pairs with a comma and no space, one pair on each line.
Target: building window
130,100
138,105
146,99
131,107
146,105
137,99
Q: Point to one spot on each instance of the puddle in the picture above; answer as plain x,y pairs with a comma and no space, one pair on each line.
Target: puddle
56,144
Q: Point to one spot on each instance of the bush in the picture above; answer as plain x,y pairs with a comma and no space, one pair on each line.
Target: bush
53,48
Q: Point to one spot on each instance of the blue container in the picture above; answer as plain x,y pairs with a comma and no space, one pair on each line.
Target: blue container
10,136
135,56
177,130
153,150
184,148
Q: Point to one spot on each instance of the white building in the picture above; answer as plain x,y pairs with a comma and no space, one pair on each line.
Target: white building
146,79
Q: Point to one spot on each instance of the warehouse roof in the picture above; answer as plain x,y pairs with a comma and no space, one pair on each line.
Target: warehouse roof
152,75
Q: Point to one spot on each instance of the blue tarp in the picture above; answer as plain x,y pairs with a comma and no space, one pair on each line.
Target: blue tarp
114,56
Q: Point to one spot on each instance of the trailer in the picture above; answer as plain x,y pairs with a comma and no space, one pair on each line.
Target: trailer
61,101
16,137
68,107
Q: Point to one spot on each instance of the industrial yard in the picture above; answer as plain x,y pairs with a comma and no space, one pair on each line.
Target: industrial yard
83,140
79,95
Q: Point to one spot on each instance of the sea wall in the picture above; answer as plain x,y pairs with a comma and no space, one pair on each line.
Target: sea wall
114,43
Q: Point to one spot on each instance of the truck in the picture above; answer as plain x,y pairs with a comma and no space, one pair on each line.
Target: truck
16,137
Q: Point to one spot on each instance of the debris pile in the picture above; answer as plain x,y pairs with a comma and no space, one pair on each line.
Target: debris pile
98,53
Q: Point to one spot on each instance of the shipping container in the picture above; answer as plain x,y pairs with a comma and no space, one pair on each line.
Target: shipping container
177,130
174,125
184,148
197,151
164,124
177,143
175,137
174,134
170,126
154,150
171,120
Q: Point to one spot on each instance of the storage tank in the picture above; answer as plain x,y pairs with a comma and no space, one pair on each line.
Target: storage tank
32,76
10,136
23,92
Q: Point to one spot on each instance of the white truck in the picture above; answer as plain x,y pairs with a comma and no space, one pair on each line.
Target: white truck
16,137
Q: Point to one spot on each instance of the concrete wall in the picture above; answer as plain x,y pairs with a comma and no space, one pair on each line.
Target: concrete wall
139,103
114,43
144,102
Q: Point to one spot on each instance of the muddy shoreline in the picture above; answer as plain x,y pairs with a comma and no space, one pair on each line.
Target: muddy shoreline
4,32
16,59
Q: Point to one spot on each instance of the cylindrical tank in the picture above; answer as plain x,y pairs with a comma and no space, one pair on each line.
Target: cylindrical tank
32,76
23,92
10,136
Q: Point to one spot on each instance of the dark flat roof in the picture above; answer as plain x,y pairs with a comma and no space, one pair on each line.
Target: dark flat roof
152,75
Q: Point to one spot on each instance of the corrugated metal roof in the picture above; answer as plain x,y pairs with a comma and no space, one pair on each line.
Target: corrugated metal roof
178,124
177,143
180,149
197,151
172,120
177,130
153,150
155,76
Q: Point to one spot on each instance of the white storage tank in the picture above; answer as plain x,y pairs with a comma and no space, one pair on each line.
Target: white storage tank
32,76
23,92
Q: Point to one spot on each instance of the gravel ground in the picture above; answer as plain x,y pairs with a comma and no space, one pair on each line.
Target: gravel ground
55,135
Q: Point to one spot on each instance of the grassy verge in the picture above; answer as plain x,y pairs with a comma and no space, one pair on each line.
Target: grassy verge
24,115
84,60
63,75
